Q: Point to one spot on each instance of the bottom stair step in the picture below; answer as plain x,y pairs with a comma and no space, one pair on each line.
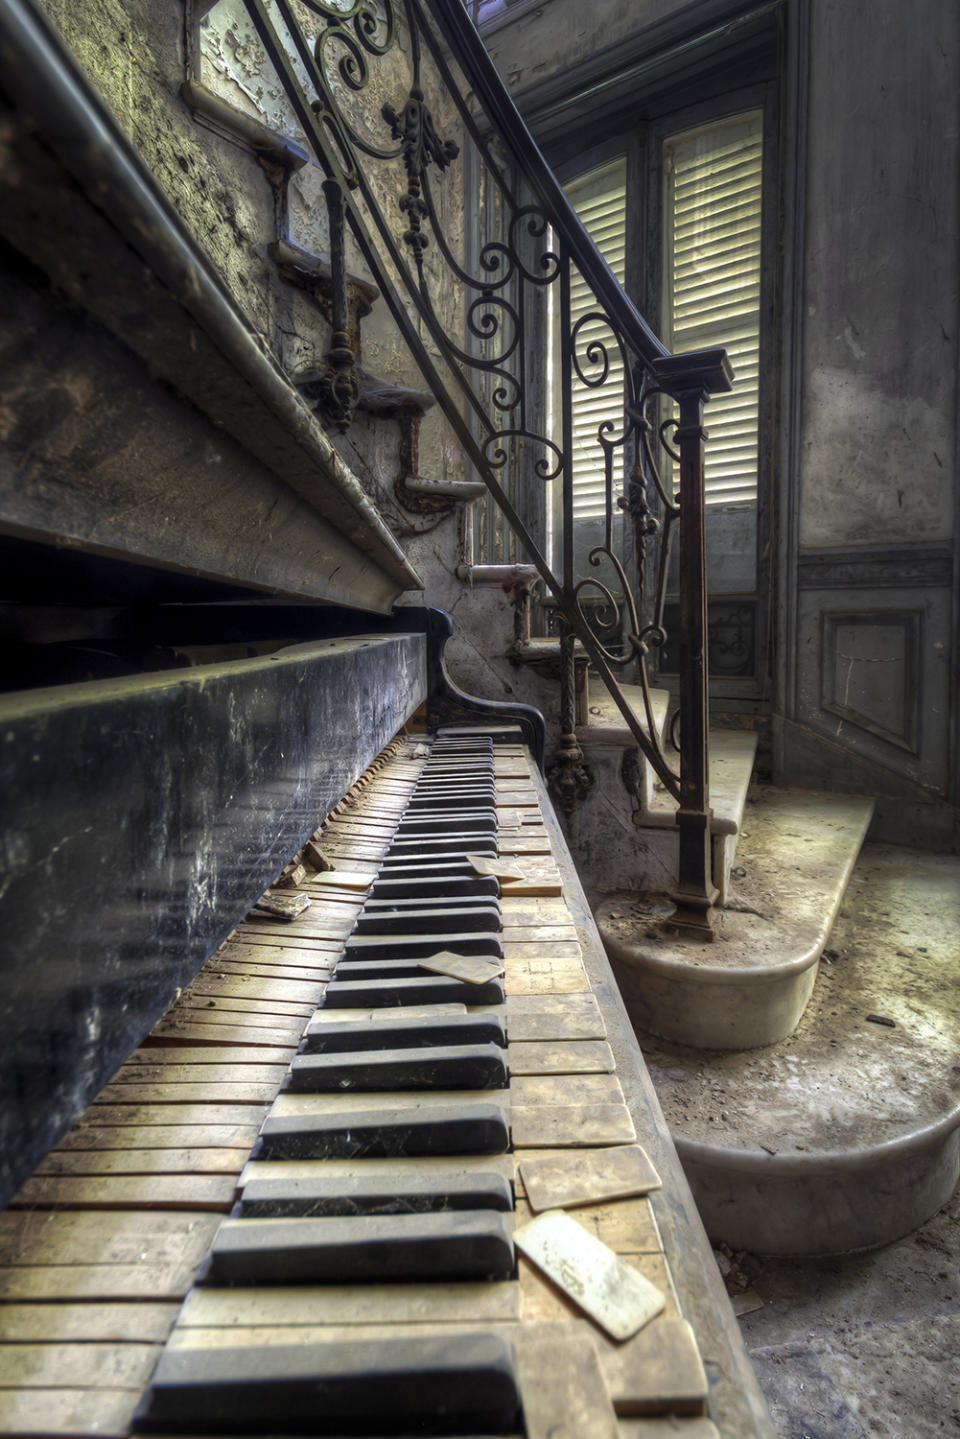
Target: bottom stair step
845,1135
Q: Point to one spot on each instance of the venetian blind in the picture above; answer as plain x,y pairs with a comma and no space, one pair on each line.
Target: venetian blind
712,232
599,199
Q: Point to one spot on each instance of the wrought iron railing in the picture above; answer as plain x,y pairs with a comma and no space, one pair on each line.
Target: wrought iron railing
434,178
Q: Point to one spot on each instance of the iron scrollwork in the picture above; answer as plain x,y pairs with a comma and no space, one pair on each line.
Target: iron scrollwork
338,386
421,144
504,360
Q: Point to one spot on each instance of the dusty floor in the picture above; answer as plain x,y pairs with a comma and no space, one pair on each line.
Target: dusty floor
877,1052
862,1346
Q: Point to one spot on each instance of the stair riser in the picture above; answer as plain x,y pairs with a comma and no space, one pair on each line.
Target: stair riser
833,1209
732,1014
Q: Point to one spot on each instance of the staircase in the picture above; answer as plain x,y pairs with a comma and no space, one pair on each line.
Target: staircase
807,1060
780,1071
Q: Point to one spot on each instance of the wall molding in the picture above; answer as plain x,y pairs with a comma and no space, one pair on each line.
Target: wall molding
876,567
898,724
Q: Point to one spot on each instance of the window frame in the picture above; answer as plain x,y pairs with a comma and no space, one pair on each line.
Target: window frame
637,130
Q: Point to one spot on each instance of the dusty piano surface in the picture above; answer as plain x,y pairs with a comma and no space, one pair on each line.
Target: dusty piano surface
367,1280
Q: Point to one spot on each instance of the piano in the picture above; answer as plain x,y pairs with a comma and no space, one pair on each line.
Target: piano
292,1208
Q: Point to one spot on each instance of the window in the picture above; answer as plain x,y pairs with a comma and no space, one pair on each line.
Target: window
599,199
712,218
711,274
676,204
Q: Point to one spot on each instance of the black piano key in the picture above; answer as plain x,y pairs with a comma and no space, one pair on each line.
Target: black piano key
445,866
322,1037
476,842
456,882
455,746
447,919
457,767
396,1193
421,946
461,742
458,1383
470,1127
461,1066
454,1244
454,772
359,969
387,993
403,903
478,821
446,784
457,771
442,802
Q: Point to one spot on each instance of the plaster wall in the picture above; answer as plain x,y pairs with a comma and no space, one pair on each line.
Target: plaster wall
879,372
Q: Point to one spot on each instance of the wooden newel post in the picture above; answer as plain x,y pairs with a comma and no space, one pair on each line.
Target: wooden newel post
690,379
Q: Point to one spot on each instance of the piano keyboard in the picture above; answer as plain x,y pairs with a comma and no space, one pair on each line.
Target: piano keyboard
316,1151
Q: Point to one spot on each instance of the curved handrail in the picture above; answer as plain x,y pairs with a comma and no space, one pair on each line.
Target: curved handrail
462,37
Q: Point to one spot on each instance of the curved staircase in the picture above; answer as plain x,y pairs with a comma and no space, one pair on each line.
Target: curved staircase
808,1062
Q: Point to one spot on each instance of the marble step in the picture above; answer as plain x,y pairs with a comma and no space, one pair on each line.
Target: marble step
606,725
797,849
624,785
846,1135
732,753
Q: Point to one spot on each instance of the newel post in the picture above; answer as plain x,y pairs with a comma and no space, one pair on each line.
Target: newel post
690,380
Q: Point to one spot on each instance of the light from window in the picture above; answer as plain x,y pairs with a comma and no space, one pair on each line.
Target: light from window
599,199
711,267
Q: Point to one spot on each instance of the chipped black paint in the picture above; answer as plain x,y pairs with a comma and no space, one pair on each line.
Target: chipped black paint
141,818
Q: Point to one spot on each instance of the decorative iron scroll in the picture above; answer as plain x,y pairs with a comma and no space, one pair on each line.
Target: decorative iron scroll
380,88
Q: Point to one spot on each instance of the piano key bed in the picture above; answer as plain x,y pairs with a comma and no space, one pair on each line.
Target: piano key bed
292,1210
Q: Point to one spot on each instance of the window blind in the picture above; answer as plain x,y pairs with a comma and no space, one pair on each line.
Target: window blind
599,199
711,251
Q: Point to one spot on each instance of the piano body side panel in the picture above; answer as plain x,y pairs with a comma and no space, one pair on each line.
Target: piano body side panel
140,818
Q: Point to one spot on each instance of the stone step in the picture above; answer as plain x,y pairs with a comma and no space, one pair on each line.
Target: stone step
846,1135
646,853
797,851
732,753
606,725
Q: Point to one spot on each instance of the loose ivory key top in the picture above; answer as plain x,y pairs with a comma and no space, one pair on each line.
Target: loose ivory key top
610,1291
472,968
499,868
